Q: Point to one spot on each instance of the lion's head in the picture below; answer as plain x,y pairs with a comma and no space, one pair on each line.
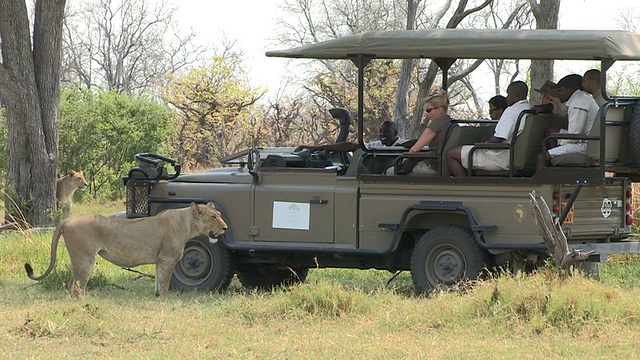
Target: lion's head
209,219
76,179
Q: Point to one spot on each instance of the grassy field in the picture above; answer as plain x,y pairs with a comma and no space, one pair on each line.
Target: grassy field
336,314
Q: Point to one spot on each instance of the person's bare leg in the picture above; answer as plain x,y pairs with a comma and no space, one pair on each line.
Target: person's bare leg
455,162
543,159
551,143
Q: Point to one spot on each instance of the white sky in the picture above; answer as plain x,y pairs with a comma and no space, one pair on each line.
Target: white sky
252,24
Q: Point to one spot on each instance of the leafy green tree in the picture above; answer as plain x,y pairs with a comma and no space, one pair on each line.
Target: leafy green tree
100,132
215,106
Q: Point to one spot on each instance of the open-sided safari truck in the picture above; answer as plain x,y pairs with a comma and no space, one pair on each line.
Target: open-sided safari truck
290,211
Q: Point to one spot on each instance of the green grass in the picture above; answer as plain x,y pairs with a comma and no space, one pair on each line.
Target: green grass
336,314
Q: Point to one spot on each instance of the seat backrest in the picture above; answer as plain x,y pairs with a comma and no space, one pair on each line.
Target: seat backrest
528,144
614,134
462,135
352,170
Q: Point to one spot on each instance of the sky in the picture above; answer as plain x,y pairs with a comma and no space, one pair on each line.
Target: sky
252,25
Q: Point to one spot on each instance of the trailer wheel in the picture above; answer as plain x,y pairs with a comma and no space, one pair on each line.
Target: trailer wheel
634,134
204,266
445,255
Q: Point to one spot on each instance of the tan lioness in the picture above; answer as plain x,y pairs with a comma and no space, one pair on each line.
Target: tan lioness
156,240
66,186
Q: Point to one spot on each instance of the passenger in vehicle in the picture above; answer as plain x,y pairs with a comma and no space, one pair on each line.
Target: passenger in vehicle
591,83
437,107
493,160
387,134
582,112
549,102
497,104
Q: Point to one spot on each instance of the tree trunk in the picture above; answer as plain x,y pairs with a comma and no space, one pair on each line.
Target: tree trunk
30,88
414,124
554,237
546,13
402,97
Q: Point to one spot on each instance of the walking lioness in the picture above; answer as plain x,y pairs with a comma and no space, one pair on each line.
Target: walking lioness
65,187
156,240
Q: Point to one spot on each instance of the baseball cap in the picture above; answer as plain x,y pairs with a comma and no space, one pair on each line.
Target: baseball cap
572,81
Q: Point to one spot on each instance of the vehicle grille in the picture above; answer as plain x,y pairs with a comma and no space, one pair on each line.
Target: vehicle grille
138,198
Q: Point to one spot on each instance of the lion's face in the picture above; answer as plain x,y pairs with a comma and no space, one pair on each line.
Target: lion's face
77,180
209,219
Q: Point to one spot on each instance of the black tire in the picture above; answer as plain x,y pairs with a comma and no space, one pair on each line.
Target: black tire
204,266
445,255
634,134
267,278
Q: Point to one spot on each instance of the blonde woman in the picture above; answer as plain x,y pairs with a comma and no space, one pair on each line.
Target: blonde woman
437,107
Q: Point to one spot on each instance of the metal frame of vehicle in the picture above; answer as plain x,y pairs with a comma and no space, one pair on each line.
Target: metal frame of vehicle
287,211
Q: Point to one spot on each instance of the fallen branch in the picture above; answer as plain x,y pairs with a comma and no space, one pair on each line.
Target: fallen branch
555,239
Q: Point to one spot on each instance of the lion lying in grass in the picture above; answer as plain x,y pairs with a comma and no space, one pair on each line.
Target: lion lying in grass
156,240
66,186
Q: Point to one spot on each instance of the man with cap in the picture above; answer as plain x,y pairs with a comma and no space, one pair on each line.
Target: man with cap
581,111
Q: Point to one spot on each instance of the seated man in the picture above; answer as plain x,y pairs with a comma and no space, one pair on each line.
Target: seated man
549,102
388,136
592,84
582,111
487,159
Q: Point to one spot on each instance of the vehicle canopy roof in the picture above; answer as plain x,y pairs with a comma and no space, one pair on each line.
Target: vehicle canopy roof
545,44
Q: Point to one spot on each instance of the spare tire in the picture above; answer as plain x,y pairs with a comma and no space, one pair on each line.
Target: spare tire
634,135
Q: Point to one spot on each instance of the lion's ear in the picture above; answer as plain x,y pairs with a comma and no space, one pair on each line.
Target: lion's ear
210,204
194,208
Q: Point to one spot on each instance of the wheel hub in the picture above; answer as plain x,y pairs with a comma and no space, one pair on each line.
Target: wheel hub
195,265
447,266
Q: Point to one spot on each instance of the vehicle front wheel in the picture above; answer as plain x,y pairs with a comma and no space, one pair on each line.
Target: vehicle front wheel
204,266
266,278
445,255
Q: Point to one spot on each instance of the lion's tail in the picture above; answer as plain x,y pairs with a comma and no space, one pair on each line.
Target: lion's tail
54,251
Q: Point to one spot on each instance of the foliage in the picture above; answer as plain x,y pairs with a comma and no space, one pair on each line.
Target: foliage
339,88
216,112
621,83
100,132
292,121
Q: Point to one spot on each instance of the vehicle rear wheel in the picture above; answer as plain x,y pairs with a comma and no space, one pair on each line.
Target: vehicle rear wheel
445,255
204,266
266,278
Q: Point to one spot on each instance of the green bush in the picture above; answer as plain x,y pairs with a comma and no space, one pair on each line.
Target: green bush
101,131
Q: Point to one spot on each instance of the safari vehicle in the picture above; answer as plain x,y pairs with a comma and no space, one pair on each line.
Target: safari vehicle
289,211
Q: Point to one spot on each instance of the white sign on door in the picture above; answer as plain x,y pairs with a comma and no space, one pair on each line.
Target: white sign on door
290,215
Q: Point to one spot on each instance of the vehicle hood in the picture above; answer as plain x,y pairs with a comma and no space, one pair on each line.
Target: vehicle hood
236,175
